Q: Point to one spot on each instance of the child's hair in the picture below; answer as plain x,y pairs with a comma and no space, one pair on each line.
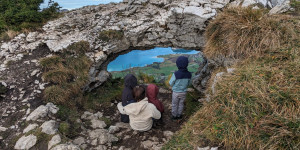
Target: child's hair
139,93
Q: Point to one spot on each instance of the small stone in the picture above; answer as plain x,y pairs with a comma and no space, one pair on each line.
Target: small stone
101,147
79,141
148,144
168,134
49,127
52,108
204,148
30,127
2,129
55,140
83,146
98,124
40,112
113,129
123,125
86,115
66,147
42,86
214,148
36,82
94,142
26,142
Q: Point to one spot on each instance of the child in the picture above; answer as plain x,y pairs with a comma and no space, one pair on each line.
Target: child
141,112
127,97
152,91
179,83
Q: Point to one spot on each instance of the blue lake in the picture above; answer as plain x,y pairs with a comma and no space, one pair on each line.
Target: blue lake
139,58
72,4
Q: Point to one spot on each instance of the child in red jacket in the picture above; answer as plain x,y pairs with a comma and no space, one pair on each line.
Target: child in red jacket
152,92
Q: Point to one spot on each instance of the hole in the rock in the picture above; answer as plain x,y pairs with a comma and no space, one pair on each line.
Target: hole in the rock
157,62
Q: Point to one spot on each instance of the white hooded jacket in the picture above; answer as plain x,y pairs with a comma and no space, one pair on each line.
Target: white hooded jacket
140,114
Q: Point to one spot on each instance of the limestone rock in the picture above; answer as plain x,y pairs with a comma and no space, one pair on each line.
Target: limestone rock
98,124
123,125
52,108
2,129
284,7
55,140
66,147
101,147
31,37
148,144
40,112
90,116
30,127
168,134
26,142
204,148
102,136
49,127
79,141
113,129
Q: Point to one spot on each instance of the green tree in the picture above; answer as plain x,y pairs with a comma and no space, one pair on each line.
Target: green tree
25,14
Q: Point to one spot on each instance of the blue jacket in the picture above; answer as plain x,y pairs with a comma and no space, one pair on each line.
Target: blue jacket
180,80
179,85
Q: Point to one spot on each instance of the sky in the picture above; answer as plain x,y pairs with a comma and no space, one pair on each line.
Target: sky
72,4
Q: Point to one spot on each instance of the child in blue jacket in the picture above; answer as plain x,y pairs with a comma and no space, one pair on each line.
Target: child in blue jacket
179,83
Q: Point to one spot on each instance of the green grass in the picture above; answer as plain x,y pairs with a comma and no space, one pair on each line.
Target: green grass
69,127
101,97
3,89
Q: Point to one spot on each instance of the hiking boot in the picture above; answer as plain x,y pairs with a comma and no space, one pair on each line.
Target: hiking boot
179,117
173,117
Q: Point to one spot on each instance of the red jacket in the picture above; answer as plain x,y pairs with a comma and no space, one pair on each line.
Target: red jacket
152,91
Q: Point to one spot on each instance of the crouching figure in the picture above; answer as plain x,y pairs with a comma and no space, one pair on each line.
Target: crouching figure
141,113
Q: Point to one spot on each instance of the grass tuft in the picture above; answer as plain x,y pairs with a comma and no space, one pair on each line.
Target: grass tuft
244,32
110,35
68,72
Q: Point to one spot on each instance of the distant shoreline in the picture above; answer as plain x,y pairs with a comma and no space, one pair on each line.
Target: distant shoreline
149,65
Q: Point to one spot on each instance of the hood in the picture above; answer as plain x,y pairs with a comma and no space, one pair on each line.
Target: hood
136,108
182,62
152,91
130,81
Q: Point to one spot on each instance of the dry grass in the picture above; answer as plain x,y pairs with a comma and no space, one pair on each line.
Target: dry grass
110,35
8,35
258,107
240,33
68,72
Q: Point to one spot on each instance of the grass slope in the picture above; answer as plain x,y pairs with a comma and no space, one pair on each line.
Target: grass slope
257,107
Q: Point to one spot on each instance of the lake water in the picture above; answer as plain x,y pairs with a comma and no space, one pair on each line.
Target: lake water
139,58
72,4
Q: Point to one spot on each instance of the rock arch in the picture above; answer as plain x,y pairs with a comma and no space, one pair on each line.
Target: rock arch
117,28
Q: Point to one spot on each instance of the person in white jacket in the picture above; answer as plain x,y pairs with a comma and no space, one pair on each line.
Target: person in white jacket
141,112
